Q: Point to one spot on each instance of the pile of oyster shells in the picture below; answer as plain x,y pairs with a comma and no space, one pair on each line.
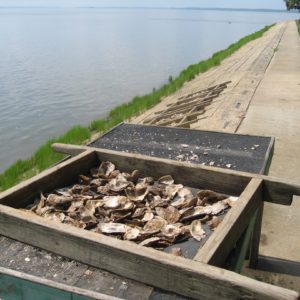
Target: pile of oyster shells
152,213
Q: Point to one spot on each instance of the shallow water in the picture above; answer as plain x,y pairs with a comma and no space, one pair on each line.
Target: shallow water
61,67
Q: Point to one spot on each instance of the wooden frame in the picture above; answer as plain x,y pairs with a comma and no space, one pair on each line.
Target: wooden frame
192,278
32,287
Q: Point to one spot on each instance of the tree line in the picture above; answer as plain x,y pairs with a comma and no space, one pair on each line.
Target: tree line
292,4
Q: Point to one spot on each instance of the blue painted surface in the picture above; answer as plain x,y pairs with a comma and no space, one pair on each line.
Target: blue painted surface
13,288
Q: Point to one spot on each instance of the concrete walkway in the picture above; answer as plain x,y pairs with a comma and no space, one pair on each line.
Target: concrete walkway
275,111
244,69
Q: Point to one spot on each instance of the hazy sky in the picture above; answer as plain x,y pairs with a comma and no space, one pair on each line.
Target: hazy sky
273,4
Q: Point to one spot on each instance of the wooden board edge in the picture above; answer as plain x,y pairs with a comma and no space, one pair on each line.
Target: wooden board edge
17,195
45,173
216,250
268,157
175,274
276,190
55,285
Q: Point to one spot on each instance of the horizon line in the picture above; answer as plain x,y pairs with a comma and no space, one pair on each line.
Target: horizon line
155,7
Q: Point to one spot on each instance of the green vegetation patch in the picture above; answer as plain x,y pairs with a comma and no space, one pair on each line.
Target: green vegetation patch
45,157
298,25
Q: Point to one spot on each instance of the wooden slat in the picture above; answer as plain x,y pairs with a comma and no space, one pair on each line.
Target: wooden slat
279,191
186,173
29,287
275,190
179,275
216,250
57,176
255,239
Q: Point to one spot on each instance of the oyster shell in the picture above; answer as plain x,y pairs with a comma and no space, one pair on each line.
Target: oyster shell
176,251
78,189
184,203
148,216
167,180
137,193
231,201
171,230
208,196
172,189
156,242
147,180
132,234
196,230
112,228
214,222
76,223
89,220
75,205
38,208
134,176
117,216
97,182
150,241
196,212
55,216
106,168
218,207
139,212
114,201
58,201
185,194
85,179
154,225
104,190
170,214
118,184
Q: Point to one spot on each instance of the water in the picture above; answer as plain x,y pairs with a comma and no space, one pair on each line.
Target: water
62,67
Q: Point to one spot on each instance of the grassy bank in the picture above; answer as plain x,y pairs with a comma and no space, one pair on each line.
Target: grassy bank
45,157
298,25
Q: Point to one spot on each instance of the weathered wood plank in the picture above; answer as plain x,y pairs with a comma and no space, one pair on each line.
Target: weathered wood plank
58,176
18,285
275,190
186,173
40,263
216,250
255,239
279,191
189,278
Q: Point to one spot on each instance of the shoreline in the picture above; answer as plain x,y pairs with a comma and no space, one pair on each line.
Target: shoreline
45,157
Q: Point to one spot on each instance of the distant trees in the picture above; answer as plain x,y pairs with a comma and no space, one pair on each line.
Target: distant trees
292,4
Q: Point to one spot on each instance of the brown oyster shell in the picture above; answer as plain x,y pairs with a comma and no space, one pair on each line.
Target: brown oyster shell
58,201
170,214
112,228
132,234
154,225
106,168
214,222
137,193
196,230
114,201
167,180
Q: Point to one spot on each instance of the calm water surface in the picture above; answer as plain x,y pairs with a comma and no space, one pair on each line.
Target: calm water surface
61,67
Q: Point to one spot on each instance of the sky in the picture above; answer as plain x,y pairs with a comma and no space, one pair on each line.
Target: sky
254,4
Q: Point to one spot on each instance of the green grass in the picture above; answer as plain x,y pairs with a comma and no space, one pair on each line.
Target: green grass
42,158
298,25
45,157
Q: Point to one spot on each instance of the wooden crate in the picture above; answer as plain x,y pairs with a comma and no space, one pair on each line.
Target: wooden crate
192,278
